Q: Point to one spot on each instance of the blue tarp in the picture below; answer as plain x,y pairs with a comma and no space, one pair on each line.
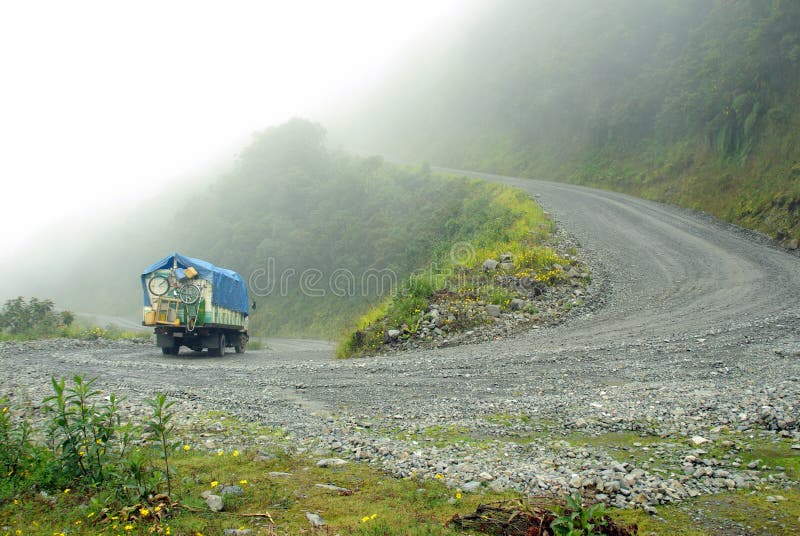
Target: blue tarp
230,290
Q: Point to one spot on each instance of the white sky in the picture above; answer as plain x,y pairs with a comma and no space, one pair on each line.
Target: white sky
102,101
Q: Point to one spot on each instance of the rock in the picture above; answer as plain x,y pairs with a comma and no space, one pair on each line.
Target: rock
485,477
793,244
489,265
235,491
506,257
754,464
493,310
796,446
331,462
393,334
572,273
507,266
337,489
576,481
315,520
517,304
277,474
214,503
237,532
699,440
204,495
471,486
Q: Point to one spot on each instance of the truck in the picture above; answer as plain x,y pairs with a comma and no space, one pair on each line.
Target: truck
190,302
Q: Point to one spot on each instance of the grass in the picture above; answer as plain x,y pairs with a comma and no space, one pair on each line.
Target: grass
379,504
497,220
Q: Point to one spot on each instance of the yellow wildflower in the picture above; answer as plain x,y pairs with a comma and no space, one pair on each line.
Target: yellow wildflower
458,495
99,441
235,453
78,522
220,452
214,483
373,516
91,515
128,527
186,448
438,476
18,532
16,501
365,519
67,491
243,482
168,531
144,512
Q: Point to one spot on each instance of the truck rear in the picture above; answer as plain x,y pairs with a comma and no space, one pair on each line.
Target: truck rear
192,303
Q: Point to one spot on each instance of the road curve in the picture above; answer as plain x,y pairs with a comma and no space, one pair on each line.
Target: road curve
665,270
692,328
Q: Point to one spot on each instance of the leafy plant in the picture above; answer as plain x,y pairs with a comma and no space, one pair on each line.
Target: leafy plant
575,520
161,427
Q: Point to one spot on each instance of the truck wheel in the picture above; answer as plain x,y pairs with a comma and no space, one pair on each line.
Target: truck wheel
218,352
170,350
241,346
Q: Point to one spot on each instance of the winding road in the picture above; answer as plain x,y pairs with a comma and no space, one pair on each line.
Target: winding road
692,326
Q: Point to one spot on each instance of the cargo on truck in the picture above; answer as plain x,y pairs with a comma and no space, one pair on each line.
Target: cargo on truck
192,303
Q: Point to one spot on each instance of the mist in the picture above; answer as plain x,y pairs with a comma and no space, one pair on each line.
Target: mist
106,105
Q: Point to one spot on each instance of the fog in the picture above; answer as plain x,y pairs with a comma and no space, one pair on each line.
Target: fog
106,106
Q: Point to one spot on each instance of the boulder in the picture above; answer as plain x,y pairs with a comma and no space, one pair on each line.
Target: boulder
493,310
507,266
214,503
331,462
517,304
490,265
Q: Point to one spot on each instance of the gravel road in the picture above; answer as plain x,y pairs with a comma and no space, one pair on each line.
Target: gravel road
690,341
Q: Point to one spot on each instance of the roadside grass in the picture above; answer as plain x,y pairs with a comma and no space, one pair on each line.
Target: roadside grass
280,484
496,220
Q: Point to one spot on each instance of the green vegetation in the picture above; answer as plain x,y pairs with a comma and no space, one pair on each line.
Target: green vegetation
575,520
22,320
694,102
493,220
319,235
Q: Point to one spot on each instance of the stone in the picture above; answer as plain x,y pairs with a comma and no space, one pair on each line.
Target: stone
214,503
506,257
517,304
471,486
793,244
493,310
331,462
337,489
486,477
315,520
237,532
490,265
232,490
392,334
507,266
699,440
278,474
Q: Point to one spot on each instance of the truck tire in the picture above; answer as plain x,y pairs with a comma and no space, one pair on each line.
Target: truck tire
241,344
219,352
170,350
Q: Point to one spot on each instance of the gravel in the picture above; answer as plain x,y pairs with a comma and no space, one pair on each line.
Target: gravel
686,355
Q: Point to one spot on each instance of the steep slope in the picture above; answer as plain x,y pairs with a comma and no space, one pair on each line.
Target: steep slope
692,102
319,235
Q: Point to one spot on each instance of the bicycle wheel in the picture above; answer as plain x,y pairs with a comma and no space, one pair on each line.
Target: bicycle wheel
188,294
158,285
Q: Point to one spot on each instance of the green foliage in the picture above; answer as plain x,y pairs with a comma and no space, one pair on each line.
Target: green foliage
575,520
33,317
162,430
87,447
658,98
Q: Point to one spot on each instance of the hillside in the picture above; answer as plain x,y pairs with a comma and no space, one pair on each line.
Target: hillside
319,235
694,102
